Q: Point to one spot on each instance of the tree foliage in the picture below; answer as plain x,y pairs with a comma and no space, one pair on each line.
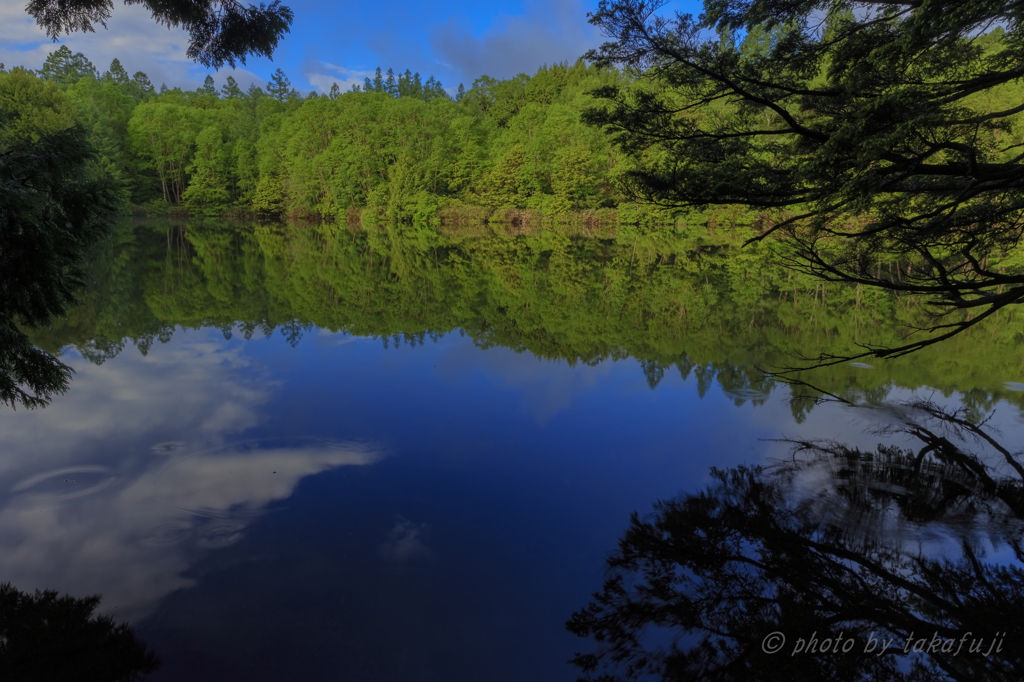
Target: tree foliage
398,145
220,31
703,588
55,202
875,132
64,68
57,194
691,306
45,637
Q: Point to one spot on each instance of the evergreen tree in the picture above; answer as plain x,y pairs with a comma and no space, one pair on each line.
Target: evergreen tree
378,81
55,204
208,87
433,89
336,91
64,68
231,89
116,74
280,88
140,89
390,85
891,122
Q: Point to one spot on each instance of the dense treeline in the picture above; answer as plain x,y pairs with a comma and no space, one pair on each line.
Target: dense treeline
396,144
676,303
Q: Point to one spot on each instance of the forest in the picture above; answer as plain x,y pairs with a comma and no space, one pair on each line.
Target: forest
676,303
401,149
398,145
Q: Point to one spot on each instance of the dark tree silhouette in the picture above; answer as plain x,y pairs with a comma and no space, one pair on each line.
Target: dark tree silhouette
54,204
48,638
221,31
827,546
876,138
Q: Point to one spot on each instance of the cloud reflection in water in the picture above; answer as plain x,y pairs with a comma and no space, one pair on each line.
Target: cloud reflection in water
108,503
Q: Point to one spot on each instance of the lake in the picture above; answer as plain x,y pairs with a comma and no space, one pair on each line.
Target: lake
407,453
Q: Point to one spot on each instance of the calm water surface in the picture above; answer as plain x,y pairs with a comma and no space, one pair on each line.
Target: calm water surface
332,455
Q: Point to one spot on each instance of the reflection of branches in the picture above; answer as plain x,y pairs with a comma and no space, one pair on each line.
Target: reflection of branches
838,542
46,638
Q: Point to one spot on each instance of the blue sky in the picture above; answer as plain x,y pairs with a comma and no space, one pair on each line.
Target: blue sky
342,42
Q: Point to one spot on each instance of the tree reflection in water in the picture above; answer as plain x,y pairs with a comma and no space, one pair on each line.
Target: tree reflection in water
839,544
46,638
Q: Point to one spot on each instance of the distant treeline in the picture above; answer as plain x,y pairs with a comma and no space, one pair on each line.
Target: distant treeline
397,145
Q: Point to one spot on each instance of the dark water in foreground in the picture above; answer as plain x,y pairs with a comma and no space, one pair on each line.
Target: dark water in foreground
417,464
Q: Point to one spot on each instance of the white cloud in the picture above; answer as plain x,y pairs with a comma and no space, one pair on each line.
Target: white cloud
132,538
405,544
121,484
548,386
189,386
132,36
345,78
548,33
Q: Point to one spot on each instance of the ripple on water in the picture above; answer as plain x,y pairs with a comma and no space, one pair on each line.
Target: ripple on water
68,483
747,394
1014,386
206,528
862,365
217,534
168,448
170,533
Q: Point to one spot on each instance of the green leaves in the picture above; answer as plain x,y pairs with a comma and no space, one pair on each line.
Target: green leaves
64,68
55,203
866,129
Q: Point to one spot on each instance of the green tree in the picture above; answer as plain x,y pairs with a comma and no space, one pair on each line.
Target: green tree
280,88
104,109
390,84
231,89
116,74
208,88
140,89
209,185
163,135
64,68
881,145
56,202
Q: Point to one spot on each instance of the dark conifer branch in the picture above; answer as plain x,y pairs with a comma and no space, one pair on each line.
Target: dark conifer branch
221,31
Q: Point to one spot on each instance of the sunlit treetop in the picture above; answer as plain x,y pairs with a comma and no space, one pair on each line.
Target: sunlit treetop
221,31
